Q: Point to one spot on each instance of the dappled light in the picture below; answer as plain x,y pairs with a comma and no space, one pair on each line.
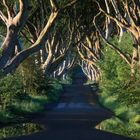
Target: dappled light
70,69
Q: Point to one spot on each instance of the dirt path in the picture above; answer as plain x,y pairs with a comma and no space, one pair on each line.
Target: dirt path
74,117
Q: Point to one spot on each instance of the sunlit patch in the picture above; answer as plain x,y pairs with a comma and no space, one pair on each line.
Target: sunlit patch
20,130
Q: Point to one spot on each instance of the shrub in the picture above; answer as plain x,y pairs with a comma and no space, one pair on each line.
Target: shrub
118,91
10,87
20,96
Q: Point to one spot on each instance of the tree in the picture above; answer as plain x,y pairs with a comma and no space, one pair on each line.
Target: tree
126,16
14,26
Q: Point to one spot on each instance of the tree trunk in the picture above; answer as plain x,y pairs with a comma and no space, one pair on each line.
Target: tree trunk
134,60
20,57
8,47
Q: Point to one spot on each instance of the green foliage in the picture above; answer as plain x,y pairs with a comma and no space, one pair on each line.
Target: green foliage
118,91
35,82
6,116
116,80
68,80
54,89
10,87
17,99
20,130
33,79
117,126
112,66
28,104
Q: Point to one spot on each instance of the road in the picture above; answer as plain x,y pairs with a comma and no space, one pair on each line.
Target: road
74,117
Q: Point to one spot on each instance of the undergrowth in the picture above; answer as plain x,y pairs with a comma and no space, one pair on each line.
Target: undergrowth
119,92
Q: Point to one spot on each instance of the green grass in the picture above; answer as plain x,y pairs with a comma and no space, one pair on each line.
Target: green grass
126,109
18,106
20,130
117,126
26,94
27,106
6,116
127,112
16,110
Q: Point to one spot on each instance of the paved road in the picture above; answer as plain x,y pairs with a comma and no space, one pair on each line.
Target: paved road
74,117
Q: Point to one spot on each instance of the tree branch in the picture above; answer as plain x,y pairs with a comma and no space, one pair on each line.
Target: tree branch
5,3
20,19
3,17
117,50
69,4
127,6
118,21
54,5
20,57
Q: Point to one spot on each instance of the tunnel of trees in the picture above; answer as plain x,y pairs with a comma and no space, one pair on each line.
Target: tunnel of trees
42,41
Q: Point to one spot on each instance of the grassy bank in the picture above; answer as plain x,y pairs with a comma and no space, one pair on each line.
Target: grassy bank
120,127
20,130
127,120
15,103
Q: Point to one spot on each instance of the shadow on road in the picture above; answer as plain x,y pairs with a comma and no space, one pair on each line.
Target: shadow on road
74,117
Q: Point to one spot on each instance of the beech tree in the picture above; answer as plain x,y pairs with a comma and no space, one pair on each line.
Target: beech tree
90,53
57,43
15,23
126,16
